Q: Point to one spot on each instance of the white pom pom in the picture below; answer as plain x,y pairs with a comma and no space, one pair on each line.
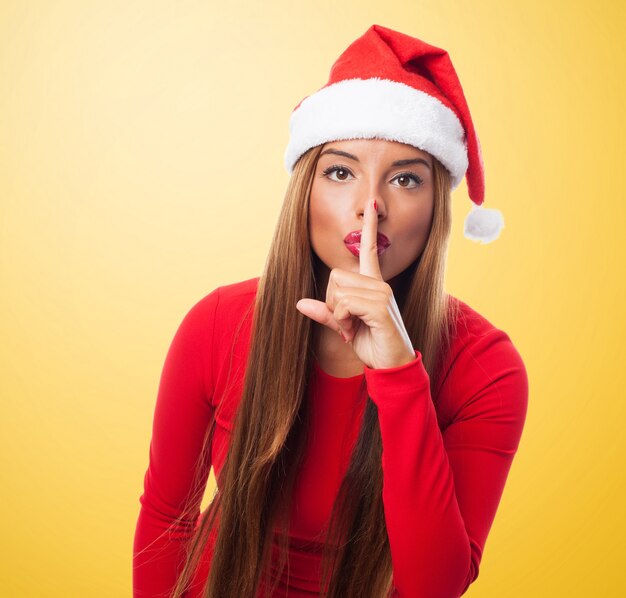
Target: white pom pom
483,224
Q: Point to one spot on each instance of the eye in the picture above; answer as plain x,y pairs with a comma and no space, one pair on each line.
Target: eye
338,169
408,176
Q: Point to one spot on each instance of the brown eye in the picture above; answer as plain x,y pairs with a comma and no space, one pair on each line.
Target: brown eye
408,178
405,179
340,172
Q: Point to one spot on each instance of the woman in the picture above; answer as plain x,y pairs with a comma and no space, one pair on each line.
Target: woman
361,422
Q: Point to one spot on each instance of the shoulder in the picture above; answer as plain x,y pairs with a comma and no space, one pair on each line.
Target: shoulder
469,323
227,299
213,325
483,371
473,333
219,309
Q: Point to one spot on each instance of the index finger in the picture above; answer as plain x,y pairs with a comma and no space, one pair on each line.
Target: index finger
368,252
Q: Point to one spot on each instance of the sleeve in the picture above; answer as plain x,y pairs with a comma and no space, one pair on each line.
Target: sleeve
182,416
441,490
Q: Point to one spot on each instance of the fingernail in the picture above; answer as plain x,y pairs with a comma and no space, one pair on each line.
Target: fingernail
343,337
375,206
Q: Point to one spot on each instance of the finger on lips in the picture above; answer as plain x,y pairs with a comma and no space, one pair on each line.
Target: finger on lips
368,254
369,266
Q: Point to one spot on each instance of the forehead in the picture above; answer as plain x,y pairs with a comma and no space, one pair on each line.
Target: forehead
363,147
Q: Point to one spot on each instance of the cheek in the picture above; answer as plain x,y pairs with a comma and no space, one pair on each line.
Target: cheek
322,216
415,234
316,211
316,218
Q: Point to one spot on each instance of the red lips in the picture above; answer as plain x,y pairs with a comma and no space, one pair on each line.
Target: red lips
355,237
353,243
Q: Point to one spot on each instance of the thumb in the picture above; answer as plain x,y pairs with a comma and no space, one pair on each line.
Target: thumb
318,311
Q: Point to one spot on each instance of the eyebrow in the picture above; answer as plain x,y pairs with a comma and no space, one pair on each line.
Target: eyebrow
396,163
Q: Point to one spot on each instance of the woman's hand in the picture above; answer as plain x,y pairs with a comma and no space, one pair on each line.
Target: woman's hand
362,308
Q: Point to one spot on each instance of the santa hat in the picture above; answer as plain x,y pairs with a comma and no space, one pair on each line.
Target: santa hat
392,86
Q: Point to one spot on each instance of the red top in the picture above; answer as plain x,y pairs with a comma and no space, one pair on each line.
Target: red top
445,462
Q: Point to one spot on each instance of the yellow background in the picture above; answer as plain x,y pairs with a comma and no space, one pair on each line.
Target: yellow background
141,148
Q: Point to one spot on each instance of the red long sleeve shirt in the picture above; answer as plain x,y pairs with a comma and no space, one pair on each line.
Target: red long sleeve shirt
445,459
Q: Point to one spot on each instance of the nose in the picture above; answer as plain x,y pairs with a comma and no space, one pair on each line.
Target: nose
381,206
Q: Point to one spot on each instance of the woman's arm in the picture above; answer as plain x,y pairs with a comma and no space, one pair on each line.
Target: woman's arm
182,417
441,490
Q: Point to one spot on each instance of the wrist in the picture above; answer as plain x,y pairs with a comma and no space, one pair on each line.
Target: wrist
404,360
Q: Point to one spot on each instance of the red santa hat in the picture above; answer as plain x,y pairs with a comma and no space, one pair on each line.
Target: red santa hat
389,85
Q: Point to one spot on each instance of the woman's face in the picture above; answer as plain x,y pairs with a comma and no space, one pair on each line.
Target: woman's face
350,173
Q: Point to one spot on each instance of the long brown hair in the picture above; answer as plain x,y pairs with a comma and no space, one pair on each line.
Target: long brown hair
267,445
